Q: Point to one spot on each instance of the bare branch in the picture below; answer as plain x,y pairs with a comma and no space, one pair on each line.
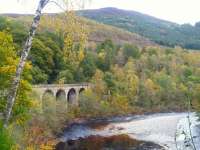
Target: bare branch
57,4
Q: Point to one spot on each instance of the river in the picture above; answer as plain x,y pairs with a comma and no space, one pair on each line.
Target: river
142,132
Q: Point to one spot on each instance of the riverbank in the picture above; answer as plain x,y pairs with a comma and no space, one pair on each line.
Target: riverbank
115,142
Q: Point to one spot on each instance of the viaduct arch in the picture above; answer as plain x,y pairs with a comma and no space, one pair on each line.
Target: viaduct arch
65,92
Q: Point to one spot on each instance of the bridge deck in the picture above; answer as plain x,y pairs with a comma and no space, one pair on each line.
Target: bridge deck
60,85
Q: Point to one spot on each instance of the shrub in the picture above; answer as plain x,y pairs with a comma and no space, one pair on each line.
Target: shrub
6,141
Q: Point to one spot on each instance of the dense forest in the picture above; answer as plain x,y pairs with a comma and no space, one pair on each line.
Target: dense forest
160,31
126,79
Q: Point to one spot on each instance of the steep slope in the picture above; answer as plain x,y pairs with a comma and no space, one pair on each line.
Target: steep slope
99,32
161,31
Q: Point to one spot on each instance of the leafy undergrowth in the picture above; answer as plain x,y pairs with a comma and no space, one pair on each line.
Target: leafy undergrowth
6,141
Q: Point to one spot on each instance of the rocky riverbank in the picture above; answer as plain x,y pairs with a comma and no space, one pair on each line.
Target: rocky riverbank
115,142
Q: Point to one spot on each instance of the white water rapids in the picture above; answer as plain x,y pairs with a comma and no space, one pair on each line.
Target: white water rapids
169,130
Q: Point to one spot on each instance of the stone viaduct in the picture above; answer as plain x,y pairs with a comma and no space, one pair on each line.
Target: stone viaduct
68,92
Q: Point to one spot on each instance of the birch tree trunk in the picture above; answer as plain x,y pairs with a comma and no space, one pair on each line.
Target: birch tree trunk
15,84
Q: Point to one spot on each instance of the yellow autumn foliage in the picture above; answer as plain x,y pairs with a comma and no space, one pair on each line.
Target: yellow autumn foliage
73,31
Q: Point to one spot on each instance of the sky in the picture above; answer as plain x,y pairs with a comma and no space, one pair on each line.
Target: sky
179,11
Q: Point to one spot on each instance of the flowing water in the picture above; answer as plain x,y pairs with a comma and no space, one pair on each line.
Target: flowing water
151,132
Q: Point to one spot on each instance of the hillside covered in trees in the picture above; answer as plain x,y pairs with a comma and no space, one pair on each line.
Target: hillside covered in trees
98,32
161,76
129,73
160,31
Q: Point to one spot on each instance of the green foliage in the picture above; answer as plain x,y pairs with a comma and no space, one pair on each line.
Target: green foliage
8,63
39,75
3,23
19,32
66,76
42,57
157,80
88,66
187,72
6,141
109,80
131,51
106,52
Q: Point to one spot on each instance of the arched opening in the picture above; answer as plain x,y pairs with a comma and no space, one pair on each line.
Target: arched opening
48,100
60,95
81,90
48,93
61,102
71,96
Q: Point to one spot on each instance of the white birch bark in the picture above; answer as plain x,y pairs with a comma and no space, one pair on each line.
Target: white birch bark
15,84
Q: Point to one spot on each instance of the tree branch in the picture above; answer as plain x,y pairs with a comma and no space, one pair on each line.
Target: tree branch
57,4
